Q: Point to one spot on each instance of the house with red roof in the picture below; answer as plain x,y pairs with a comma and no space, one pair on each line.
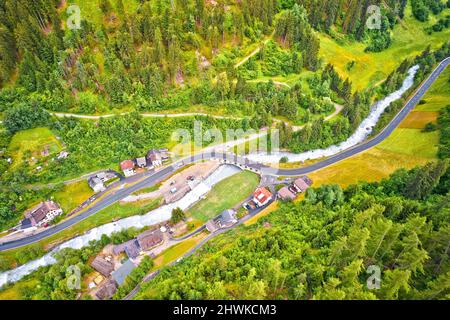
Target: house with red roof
127,167
262,197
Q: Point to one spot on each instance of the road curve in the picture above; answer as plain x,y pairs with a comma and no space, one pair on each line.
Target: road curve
150,178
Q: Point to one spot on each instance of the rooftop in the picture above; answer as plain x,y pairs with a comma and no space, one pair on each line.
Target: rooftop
286,194
94,181
102,266
127,165
150,238
131,248
141,162
121,274
39,212
301,184
262,195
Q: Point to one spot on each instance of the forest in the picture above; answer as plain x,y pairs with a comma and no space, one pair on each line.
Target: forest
322,247
257,61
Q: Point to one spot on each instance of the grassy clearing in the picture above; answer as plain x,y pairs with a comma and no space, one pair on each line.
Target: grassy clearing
30,143
372,165
14,292
408,40
418,119
438,96
90,9
72,195
225,195
412,142
177,251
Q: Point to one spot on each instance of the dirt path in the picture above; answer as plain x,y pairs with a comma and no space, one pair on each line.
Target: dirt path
338,109
145,115
251,54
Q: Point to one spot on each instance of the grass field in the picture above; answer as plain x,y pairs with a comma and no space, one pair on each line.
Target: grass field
406,147
418,119
412,142
439,94
408,39
73,195
225,195
14,292
177,250
31,143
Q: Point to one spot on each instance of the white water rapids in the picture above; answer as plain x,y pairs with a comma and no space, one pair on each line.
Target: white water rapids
361,133
154,217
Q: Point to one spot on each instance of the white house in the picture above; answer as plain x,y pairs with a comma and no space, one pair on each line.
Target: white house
154,158
96,184
43,213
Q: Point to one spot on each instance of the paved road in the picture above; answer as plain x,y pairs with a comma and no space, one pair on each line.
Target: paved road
153,178
412,102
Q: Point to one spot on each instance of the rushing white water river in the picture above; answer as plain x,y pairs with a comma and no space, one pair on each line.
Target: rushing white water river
154,217
361,133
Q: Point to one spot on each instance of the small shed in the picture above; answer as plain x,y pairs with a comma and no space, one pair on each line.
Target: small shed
227,218
107,290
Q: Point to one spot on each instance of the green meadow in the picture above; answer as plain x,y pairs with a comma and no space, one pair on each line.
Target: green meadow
409,39
225,195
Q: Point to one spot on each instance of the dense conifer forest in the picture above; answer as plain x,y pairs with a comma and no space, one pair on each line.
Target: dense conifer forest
237,64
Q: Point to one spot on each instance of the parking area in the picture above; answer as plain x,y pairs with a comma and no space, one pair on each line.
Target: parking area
179,184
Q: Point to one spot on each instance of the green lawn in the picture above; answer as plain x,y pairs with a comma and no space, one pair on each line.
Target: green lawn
439,94
73,195
225,195
32,141
412,142
177,251
408,39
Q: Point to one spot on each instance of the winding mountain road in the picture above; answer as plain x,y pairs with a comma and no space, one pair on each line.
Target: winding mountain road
151,178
